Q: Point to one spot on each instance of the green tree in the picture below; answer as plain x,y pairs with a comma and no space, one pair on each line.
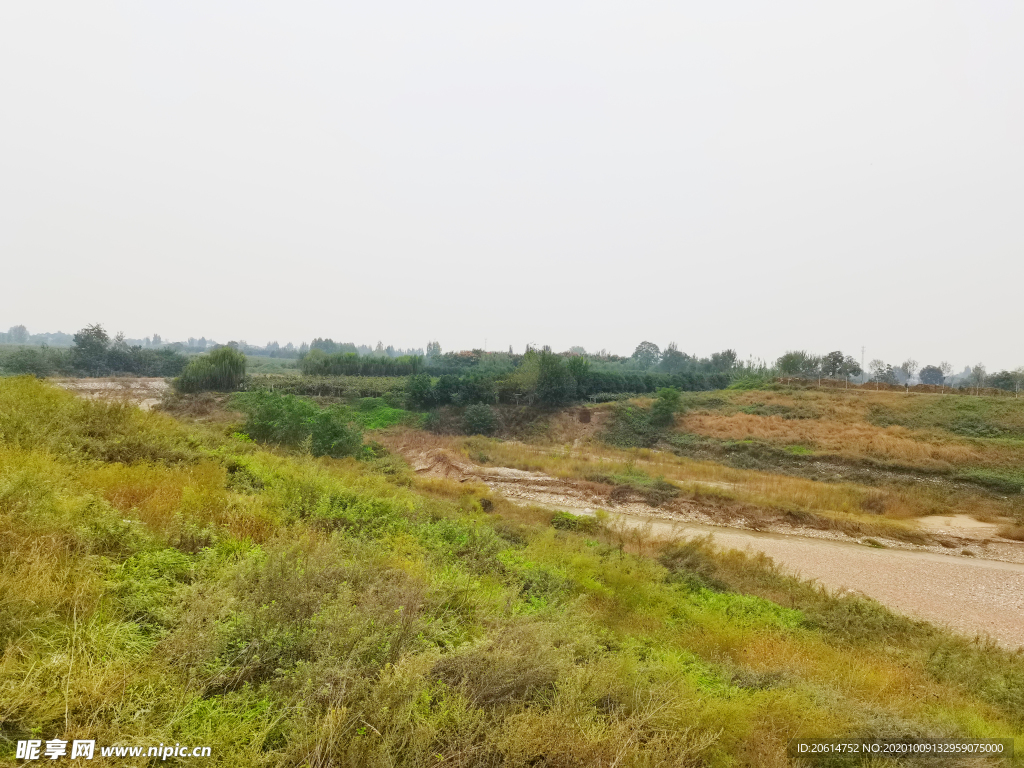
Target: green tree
932,375
800,364
479,420
419,390
555,383
89,352
724,360
18,334
672,360
646,355
579,368
832,365
665,407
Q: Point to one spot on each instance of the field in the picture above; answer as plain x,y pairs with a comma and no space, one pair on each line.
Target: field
163,581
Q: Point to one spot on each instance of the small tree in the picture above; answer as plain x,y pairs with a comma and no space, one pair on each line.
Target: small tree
978,374
665,407
909,368
946,368
18,334
479,420
419,390
89,352
882,373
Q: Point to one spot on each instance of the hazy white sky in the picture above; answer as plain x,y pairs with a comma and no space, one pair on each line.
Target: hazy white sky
761,176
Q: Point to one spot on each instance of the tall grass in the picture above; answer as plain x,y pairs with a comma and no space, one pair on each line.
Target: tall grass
221,370
300,611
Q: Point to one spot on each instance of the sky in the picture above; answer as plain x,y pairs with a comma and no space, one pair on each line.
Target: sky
756,176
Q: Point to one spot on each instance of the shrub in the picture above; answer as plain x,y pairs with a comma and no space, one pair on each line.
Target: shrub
666,406
479,420
566,521
419,390
222,370
290,420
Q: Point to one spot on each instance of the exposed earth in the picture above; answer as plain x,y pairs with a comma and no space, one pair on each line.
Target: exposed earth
142,392
979,592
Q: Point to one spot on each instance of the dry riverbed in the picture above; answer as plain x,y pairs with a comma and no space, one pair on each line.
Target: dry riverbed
980,590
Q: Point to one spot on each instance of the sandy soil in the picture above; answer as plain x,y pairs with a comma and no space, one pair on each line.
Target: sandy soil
142,392
983,594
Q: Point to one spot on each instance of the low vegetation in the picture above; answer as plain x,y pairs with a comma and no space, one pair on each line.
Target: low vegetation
166,583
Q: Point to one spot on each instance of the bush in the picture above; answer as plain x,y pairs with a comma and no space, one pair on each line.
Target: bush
664,410
566,521
479,420
290,420
221,370
418,390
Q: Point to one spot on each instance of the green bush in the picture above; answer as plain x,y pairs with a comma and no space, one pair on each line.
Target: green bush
566,521
290,420
665,407
221,370
479,420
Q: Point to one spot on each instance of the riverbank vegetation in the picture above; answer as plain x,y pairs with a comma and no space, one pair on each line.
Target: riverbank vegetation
166,582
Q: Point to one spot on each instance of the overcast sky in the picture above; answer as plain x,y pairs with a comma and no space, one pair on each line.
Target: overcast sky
762,176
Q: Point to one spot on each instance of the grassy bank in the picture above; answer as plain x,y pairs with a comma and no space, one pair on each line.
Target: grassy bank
165,583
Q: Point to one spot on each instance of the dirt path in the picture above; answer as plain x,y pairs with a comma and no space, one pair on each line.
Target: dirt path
971,595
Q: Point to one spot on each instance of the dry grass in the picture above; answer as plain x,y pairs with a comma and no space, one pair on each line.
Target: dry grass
890,444
871,510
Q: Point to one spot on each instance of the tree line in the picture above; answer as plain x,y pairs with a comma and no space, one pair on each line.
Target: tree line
93,353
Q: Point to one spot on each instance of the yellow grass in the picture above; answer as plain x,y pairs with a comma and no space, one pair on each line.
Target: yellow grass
868,505
892,444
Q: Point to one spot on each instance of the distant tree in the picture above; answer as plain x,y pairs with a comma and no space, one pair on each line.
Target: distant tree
978,375
577,350
555,383
882,373
850,367
724,360
89,352
832,365
18,334
646,355
946,368
672,360
932,375
119,356
799,363
909,368
433,349
157,341
579,369
419,390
